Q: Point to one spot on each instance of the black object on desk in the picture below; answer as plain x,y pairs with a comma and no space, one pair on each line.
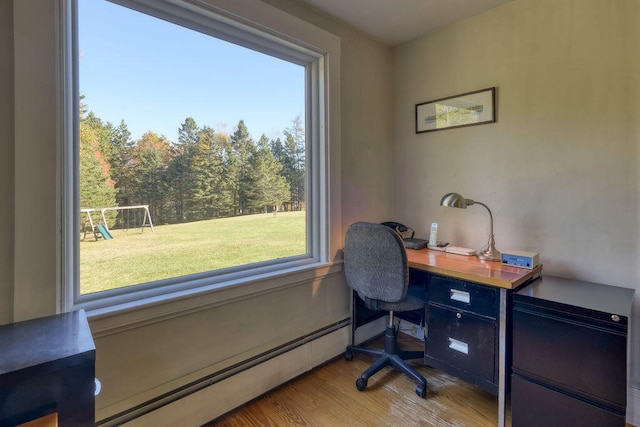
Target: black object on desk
570,353
47,366
413,243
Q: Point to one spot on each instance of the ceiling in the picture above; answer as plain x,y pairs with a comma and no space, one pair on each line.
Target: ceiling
394,22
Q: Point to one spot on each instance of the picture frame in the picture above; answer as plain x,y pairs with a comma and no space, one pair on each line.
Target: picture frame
468,109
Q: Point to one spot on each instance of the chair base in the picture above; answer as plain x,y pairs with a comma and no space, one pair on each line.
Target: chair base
389,356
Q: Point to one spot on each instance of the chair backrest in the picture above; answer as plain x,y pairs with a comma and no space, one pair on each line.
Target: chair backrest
375,262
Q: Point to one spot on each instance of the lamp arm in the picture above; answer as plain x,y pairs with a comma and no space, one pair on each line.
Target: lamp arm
491,253
490,217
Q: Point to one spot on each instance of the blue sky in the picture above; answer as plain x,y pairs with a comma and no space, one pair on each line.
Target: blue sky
154,75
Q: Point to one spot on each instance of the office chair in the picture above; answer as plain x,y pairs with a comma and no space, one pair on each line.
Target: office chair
375,265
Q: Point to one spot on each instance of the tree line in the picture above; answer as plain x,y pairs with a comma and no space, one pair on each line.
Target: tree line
205,174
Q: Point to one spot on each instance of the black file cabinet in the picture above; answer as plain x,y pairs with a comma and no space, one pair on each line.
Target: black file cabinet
462,330
569,354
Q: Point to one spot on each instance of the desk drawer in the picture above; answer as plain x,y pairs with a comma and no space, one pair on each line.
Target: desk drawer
463,341
457,294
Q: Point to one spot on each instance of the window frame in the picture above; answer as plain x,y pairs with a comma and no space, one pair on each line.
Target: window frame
247,32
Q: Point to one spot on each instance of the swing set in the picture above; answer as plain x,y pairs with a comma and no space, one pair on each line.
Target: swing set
101,230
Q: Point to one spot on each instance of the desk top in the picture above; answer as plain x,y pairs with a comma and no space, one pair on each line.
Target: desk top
558,292
62,340
470,268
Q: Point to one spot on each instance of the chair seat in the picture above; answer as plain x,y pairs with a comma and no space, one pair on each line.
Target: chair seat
414,300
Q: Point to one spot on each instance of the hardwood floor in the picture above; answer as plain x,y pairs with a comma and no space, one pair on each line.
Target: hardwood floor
327,396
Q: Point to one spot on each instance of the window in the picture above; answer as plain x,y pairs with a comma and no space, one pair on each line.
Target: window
199,150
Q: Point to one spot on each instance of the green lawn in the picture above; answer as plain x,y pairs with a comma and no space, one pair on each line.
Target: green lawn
136,256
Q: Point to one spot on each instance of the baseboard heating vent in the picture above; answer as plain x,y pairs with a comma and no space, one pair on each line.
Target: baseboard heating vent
195,386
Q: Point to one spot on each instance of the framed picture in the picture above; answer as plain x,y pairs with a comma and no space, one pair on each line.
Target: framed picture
468,109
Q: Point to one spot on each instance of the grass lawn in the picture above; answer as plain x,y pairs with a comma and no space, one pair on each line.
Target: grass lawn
136,256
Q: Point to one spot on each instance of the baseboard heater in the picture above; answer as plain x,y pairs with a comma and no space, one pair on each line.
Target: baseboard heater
195,386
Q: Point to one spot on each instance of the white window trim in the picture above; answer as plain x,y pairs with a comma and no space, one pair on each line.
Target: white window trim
239,24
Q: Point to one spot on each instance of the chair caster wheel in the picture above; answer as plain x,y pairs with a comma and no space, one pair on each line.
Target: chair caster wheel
348,355
361,384
421,391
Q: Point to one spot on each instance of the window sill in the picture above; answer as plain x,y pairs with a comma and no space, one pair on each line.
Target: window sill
121,316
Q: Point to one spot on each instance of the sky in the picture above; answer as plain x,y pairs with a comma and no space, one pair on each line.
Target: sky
153,75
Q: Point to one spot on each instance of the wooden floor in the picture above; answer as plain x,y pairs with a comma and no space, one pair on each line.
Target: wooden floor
327,396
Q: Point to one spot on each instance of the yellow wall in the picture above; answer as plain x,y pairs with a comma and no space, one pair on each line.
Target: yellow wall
559,169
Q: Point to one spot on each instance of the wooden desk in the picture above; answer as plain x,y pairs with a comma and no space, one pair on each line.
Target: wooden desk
470,268
475,271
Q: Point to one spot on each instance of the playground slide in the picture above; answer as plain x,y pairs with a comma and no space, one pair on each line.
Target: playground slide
105,233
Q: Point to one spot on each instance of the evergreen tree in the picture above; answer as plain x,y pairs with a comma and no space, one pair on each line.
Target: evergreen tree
294,162
149,159
120,160
83,108
243,148
204,164
269,188
279,153
224,190
188,132
212,195
173,185
180,174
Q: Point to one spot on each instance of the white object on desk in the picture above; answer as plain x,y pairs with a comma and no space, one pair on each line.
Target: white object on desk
460,250
433,237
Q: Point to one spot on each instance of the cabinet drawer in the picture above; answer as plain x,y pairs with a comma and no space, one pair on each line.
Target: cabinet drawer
480,299
570,354
463,341
533,405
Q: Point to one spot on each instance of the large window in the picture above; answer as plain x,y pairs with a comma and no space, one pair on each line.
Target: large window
198,149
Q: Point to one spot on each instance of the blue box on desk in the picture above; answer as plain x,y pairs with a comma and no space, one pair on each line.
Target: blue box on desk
522,259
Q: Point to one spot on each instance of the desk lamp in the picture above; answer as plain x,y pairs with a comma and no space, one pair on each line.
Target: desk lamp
455,200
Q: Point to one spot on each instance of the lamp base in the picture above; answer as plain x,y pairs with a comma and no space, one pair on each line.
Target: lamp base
489,254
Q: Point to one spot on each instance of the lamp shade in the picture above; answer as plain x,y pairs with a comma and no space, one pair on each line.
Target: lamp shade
455,200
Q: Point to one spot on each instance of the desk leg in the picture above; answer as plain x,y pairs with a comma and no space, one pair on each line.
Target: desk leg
502,359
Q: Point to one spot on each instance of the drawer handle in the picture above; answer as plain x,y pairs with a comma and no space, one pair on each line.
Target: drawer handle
461,296
615,317
460,346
